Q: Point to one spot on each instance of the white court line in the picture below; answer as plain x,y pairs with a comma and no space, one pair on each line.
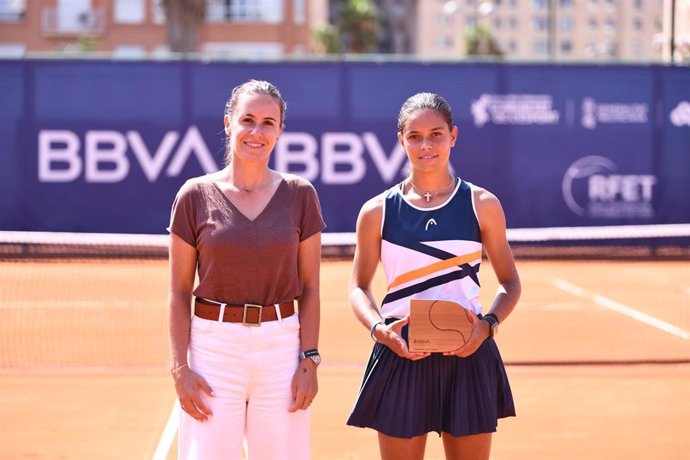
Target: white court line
165,443
622,309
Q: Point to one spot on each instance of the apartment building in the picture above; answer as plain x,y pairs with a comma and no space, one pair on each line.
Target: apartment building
136,28
563,30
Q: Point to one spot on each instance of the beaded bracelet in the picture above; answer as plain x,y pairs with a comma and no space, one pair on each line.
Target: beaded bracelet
373,327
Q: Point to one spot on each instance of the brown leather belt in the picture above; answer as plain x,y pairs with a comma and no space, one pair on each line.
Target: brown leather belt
247,314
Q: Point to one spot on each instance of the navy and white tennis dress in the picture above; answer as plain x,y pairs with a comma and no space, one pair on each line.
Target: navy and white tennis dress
432,253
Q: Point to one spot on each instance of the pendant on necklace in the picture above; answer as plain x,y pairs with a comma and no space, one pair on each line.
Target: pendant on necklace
427,195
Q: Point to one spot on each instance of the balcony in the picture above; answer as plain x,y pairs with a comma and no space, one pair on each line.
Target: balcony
63,22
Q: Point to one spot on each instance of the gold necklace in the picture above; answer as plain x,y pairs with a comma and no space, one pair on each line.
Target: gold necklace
428,195
245,189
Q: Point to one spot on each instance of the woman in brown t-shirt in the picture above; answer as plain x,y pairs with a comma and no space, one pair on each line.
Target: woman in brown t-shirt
243,362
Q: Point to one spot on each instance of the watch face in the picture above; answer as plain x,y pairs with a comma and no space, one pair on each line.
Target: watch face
316,359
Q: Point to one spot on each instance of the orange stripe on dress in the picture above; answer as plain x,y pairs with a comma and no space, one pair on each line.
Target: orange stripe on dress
435,267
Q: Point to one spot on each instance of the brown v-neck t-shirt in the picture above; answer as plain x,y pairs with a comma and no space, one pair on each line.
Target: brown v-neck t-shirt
243,261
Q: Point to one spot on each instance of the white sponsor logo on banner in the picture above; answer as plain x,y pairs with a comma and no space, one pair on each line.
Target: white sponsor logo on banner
591,188
680,115
106,156
594,112
514,109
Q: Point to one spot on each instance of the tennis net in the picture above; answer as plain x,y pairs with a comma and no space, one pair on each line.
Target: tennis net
602,295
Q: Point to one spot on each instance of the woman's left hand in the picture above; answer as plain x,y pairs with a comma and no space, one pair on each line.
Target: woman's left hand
480,332
304,385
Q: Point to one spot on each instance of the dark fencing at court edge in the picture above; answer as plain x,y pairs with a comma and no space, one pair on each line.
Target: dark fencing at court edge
102,146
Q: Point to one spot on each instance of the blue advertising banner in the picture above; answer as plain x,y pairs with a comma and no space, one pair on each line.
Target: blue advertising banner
103,146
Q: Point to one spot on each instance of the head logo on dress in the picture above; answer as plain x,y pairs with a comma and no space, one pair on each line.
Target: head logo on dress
429,222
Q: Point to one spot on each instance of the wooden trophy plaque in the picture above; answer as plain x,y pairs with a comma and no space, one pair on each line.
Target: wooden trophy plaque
438,325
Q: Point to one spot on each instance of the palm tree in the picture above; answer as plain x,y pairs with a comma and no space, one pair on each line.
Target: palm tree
184,19
480,42
359,25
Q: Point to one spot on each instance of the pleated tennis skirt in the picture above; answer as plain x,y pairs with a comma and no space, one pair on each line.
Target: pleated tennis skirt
446,394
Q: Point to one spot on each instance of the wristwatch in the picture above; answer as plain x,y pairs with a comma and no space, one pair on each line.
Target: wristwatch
312,354
493,323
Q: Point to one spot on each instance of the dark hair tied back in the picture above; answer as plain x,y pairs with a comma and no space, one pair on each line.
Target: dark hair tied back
425,101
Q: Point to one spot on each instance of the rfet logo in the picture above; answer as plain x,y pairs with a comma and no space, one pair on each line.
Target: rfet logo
680,115
593,188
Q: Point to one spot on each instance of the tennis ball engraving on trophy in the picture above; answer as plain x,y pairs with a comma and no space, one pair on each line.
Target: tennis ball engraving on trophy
438,325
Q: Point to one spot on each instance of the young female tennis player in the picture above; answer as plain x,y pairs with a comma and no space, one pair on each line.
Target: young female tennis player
429,232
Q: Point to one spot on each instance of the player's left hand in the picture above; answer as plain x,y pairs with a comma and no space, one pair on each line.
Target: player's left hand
480,332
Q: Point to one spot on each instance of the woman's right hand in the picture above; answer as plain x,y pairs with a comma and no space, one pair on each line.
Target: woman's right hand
189,387
391,336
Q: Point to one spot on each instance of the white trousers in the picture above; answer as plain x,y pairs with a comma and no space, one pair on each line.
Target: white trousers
250,370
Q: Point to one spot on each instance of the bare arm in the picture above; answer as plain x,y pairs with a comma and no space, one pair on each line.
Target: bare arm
492,224
367,255
188,384
493,227
304,382
182,268
366,259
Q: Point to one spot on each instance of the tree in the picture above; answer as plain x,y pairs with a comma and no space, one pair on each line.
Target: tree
480,42
184,19
359,26
328,37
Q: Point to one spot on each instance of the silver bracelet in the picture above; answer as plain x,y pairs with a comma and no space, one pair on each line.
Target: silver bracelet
373,327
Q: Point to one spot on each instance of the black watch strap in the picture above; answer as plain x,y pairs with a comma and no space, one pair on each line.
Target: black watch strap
312,354
493,322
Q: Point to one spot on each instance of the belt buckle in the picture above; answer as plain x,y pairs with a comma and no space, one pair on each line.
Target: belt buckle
244,314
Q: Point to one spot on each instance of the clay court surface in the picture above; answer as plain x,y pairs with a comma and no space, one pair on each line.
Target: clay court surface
83,362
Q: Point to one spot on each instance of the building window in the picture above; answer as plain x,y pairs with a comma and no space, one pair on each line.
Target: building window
442,42
513,23
158,12
608,49
12,10
539,4
299,11
592,24
266,11
610,25
540,23
566,46
497,23
639,4
566,3
638,50
540,47
566,23
591,49
444,20
129,11
512,46
637,24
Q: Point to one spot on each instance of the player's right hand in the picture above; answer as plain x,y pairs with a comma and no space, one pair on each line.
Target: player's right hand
391,336
190,388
